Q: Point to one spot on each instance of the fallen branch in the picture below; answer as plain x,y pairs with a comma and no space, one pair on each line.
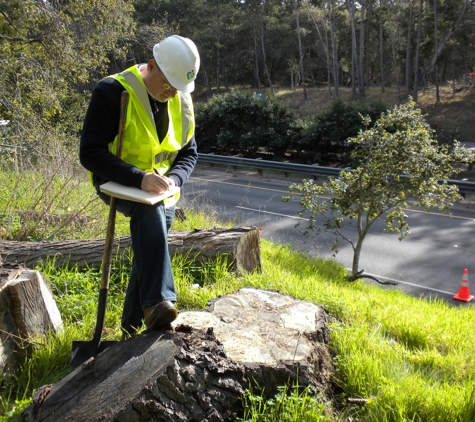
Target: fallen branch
359,275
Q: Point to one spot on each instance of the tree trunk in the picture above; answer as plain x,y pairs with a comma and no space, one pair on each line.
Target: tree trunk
240,246
408,48
334,51
299,39
436,67
325,48
354,50
257,82
367,41
418,47
381,44
264,57
330,62
198,370
361,75
209,93
218,71
394,48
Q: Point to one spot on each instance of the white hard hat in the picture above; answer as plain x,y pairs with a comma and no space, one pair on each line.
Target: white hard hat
179,60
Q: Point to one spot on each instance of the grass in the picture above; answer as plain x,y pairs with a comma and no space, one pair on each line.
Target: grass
399,357
408,358
290,406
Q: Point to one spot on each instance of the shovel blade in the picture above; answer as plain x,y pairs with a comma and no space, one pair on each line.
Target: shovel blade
84,350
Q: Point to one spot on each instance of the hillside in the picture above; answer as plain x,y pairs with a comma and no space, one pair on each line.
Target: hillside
454,113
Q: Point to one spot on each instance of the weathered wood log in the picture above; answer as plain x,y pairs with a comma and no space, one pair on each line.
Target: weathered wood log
198,370
33,307
240,246
157,376
27,308
8,331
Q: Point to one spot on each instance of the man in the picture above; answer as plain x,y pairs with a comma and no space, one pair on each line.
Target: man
159,150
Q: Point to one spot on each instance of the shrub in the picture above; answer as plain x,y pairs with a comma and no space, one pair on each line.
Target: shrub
326,137
239,122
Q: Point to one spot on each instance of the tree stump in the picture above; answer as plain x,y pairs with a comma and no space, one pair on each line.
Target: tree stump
199,369
240,246
27,308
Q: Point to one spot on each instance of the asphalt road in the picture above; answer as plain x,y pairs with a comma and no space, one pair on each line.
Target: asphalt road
429,262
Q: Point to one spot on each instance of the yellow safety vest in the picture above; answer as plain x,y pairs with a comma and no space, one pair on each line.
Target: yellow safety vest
141,146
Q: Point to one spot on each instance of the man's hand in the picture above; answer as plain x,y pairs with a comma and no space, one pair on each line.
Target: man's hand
154,183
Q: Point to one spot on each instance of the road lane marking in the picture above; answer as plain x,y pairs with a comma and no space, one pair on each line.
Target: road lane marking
272,213
247,186
408,283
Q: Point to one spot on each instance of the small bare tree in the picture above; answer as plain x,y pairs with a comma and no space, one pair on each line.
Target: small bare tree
399,160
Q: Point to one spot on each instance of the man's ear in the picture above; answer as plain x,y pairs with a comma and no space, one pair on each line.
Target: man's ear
151,64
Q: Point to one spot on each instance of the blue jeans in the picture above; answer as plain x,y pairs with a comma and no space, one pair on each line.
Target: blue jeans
151,278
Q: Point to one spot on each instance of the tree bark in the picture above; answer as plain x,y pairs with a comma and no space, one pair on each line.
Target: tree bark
361,75
198,370
394,48
436,66
331,16
156,376
354,50
381,44
264,59
257,82
325,48
408,47
418,47
299,39
367,42
240,246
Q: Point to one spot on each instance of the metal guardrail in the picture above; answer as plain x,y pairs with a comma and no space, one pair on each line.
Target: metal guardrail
301,169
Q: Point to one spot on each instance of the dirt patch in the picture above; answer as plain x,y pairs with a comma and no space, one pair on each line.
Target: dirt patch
452,115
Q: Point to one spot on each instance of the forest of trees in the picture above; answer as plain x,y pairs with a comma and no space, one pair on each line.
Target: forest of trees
404,43
53,52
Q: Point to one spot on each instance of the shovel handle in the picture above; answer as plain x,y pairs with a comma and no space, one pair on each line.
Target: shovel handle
86,350
109,242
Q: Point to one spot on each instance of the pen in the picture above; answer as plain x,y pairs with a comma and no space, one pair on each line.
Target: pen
157,173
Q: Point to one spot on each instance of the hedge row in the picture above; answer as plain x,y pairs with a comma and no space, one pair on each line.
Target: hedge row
239,123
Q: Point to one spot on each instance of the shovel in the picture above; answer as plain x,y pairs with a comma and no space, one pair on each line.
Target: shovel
84,350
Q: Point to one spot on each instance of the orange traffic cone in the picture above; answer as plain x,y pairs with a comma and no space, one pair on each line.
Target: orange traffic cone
464,292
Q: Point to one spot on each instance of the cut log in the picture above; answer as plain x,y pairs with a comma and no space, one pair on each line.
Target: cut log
157,376
33,307
240,246
27,309
8,330
198,370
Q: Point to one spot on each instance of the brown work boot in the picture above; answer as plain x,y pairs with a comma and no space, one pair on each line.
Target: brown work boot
159,315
